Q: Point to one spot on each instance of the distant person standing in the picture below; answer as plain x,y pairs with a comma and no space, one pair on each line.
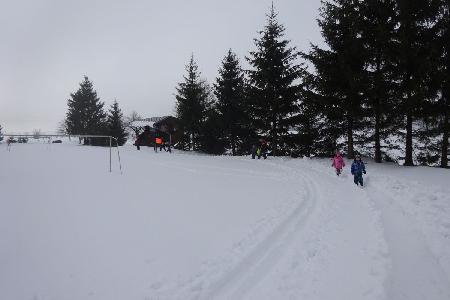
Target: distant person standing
167,147
158,143
358,168
338,163
263,149
8,144
254,151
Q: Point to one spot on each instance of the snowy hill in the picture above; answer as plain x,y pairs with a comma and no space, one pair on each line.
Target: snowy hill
187,226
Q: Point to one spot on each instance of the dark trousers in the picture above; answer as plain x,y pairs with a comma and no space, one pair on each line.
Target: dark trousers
358,179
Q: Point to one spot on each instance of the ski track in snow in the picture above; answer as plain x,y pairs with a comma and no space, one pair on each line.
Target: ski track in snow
302,249
323,248
257,253
252,269
416,273
401,262
323,239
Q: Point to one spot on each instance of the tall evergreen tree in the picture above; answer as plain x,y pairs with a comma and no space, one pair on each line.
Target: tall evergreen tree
191,106
414,36
232,105
443,104
340,77
85,115
311,138
211,136
273,84
1,133
116,127
378,33
321,97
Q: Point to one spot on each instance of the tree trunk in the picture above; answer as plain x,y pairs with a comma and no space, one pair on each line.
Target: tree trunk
446,95
274,138
274,144
377,135
350,152
409,136
233,144
377,104
445,128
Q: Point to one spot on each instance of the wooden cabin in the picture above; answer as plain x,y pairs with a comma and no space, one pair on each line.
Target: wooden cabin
166,127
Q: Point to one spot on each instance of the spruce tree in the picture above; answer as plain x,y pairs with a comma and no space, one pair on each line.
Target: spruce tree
211,136
1,133
85,115
311,138
320,93
340,77
273,84
192,101
443,67
414,36
232,105
433,126
378,33
116,127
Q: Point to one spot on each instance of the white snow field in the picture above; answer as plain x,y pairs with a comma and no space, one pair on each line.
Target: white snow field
189,226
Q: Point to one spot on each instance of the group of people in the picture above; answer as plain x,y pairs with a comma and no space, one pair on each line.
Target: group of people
260,149
358,167
147,138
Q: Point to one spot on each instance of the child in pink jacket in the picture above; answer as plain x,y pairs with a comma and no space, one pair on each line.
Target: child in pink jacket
338,163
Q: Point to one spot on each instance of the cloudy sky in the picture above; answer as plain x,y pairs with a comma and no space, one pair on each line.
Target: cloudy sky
134,51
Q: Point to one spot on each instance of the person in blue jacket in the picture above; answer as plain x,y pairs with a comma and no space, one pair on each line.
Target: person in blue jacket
358,168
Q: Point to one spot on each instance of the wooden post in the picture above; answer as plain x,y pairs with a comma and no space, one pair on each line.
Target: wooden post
110,169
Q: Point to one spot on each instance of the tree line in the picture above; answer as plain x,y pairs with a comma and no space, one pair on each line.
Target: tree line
379,87
86,116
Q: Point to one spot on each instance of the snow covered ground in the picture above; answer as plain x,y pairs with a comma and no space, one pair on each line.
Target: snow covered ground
188,226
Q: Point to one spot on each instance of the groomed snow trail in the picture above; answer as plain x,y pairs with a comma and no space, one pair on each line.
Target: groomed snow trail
254,267
188,226
416,273
343,236
414,217
324,235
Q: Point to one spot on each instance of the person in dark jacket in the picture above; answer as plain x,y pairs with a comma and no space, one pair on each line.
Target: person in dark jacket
358,168
144,138
254,149
263,148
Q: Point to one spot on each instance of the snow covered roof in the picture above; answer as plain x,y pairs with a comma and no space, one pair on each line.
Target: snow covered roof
148,121
142,123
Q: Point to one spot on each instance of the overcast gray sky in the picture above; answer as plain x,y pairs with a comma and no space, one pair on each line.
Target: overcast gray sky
134,51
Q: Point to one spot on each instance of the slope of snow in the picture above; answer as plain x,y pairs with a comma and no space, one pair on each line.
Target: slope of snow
187,226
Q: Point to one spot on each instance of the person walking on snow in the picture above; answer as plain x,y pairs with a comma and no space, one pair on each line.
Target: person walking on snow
158,143
358,168
8,143
338,163
263,148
